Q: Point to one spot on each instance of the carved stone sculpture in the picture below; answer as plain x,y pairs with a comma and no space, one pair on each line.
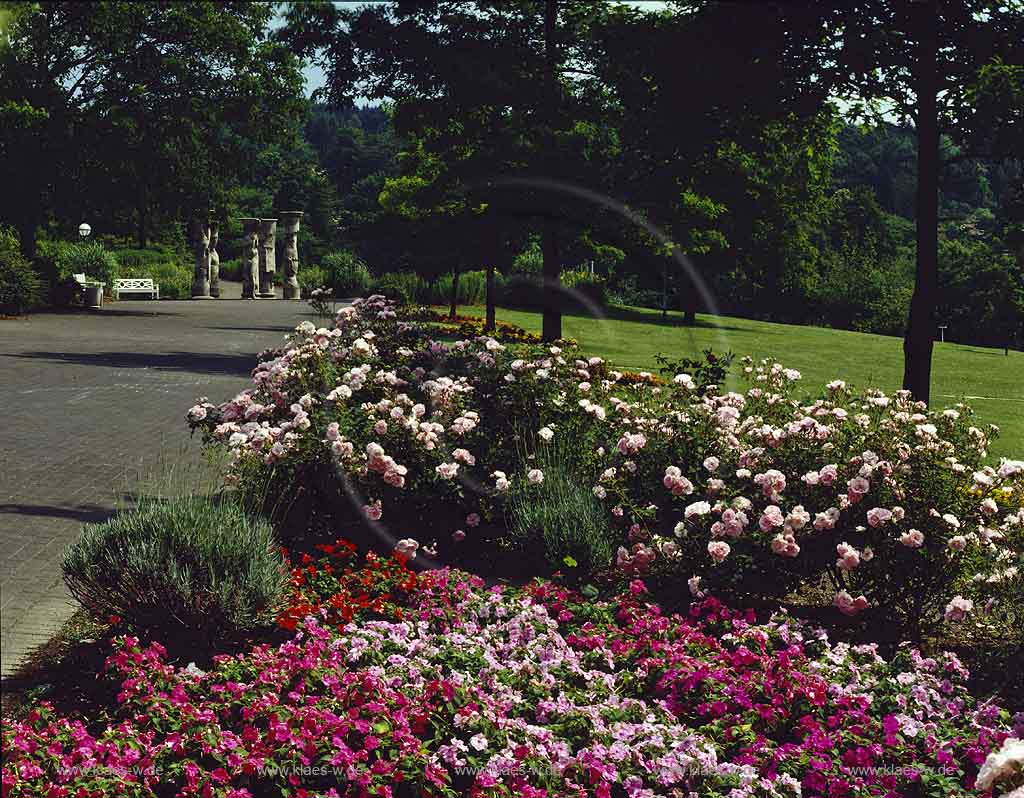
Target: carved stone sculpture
214,259
250,257
201,247
268,255
290,232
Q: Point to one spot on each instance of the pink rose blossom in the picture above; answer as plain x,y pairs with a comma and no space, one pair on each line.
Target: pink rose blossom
719,550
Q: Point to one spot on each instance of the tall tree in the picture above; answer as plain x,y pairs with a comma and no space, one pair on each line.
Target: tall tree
135,108
551,328
918,61
473,86
725,149
920,336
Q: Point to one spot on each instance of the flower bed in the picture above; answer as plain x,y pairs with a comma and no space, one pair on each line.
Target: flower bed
337,586
753,494
525,692
473,326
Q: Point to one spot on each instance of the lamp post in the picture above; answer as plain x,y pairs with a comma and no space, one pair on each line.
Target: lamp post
93,290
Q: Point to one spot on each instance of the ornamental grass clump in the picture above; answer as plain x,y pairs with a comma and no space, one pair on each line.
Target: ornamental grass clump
185,571
552,514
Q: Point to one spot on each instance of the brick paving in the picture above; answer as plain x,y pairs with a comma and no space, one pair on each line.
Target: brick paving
93,404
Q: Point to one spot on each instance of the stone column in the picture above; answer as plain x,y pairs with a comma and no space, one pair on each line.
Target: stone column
250,257
268,254
201,247
290,232
214,259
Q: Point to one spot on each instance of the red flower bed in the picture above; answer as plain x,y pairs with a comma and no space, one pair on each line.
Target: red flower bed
339,587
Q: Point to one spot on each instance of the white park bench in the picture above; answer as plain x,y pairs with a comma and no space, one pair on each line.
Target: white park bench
136,285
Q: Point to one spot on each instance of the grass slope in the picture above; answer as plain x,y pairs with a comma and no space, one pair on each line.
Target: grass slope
991,382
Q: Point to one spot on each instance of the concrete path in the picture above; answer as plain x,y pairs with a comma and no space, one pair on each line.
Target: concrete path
92,402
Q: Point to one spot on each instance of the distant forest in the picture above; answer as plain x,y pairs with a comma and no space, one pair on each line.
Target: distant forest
857,272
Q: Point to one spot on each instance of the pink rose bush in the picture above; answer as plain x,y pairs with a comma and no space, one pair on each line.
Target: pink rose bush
756,493
527,692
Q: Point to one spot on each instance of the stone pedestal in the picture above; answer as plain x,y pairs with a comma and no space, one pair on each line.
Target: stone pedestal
214,259
290,233
201,247
268,255
250,257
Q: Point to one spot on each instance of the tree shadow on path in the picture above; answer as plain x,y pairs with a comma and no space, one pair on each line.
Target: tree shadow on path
240,365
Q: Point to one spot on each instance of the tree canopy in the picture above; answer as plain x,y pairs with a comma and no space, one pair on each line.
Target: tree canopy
136,109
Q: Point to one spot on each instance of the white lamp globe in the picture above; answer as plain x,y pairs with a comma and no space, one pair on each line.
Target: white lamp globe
84,229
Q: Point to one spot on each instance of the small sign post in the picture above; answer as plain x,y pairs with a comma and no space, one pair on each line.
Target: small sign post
942,333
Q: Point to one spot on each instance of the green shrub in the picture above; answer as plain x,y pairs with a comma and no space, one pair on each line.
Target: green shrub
311,278
580,291
21,288
179,569
89,258
472,289
529,261
172,271
403,287
521,291
174,278
584,290
859,292
348,275
231,269
627,291
139,258
561,517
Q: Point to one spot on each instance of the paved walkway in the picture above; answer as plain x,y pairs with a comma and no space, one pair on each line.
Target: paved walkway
92,402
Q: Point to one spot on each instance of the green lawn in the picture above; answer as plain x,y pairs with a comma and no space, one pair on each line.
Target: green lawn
988,380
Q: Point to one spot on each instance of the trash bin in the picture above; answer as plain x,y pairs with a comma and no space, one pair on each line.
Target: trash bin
94,295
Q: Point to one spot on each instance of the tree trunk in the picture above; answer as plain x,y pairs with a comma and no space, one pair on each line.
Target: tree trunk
690,308
664,289
918,342
552,282
552,285
455,293
491,254
142,234
27,238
